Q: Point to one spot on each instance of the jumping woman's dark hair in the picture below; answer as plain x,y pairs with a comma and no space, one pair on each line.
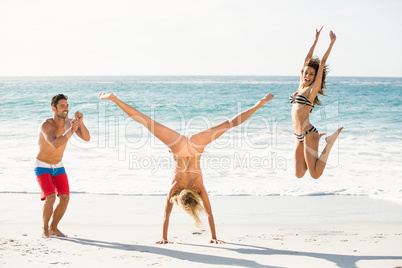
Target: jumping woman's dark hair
315,63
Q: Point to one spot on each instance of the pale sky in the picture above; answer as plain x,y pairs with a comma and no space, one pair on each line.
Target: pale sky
205,37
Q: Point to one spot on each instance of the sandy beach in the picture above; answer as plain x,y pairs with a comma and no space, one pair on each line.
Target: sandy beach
106,230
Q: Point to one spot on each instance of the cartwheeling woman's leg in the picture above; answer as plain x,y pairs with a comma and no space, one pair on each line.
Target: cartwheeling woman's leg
203,138
171,138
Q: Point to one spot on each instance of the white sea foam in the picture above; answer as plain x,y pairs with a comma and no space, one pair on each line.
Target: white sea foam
229,169
123,158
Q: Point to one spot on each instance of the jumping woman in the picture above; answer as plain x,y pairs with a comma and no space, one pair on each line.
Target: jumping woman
304,99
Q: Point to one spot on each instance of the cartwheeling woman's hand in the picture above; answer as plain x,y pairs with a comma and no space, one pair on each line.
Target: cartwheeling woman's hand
216,241
107,96
163,241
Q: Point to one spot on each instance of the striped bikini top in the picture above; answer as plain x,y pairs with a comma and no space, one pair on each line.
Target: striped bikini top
301,99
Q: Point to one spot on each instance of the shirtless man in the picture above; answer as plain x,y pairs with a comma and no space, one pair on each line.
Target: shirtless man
53,137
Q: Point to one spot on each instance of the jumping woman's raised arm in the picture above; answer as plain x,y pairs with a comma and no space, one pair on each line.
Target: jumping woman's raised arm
318,80
311,51
308,57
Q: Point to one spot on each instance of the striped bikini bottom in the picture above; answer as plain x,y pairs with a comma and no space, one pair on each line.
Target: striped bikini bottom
301,136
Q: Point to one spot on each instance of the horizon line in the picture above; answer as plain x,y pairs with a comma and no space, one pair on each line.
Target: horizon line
189,75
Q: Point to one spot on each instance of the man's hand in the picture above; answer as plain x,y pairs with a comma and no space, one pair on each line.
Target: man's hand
79,117
74,125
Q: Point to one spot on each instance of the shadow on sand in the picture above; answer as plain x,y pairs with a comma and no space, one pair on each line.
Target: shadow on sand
177,254
338,259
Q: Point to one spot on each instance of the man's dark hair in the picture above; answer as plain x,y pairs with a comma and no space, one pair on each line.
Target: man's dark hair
55,99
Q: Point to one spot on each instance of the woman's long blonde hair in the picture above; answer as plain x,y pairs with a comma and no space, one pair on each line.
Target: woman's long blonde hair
190,201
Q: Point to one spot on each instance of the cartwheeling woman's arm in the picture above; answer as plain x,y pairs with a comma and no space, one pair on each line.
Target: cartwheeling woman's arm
211,222
168,211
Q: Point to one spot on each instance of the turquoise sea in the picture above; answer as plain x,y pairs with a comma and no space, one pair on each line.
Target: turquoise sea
254,159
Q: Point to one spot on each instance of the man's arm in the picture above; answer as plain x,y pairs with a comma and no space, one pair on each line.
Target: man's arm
56,142
82,130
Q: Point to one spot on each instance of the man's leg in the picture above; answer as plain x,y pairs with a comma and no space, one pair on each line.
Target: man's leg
47,213
60,181
48,195
58,214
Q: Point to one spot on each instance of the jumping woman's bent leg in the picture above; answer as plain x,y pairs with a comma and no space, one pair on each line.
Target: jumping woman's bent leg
315,164
311,142
330,140
169,137
300,161
203,138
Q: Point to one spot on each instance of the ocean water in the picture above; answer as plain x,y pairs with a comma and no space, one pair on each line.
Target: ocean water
253,159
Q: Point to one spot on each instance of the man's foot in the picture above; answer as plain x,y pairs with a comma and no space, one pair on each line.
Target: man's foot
56,233
331,139
45,234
